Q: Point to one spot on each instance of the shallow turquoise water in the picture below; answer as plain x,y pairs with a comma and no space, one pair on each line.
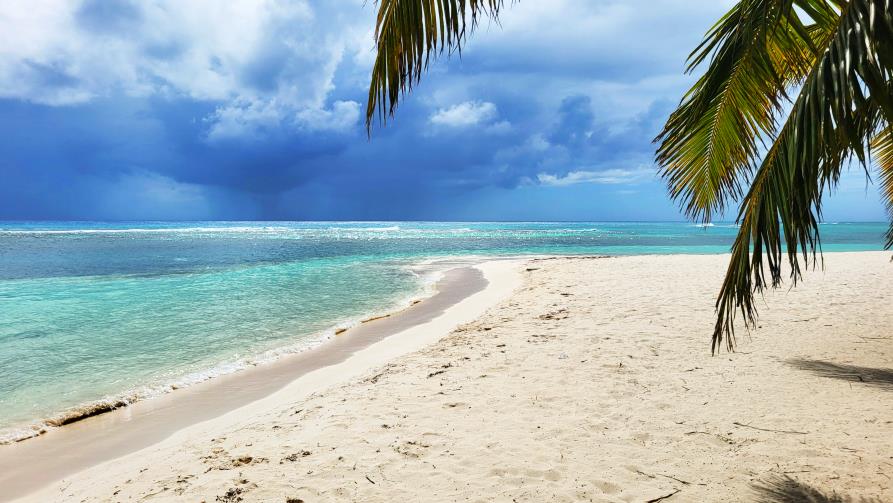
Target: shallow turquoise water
92,310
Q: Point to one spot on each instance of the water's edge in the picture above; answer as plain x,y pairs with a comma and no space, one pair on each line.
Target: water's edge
27,466
425,289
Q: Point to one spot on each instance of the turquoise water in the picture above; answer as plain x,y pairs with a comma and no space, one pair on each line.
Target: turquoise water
92,311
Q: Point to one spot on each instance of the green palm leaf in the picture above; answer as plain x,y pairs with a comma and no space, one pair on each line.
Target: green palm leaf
710,144
841,56
408,34
844,99
882,146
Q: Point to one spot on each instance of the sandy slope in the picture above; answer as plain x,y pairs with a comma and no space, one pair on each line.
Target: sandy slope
592,382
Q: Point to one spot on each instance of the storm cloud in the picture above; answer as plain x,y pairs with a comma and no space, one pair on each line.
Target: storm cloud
127,109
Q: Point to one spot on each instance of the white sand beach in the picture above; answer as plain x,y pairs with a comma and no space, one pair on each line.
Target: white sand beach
565,379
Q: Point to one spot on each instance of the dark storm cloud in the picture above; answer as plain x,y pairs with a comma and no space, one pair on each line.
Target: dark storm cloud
182,110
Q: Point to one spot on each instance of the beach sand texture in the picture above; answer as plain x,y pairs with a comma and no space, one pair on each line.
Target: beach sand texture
592,382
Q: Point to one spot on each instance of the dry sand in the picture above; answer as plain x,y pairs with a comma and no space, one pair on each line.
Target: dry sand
593,381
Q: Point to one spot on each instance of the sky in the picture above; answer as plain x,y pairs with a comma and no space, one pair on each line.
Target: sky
253,110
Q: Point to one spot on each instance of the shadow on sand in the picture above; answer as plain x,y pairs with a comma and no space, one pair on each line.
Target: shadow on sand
882,378
784,489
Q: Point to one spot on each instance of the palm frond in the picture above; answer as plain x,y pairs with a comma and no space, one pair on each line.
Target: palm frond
844,99
882,148
709,145
408,34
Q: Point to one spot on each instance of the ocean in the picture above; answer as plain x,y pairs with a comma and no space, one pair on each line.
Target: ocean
93,313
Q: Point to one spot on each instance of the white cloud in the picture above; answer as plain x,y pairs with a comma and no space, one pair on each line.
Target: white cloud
469,113
264,61
619,54
607,177
244,118
342,116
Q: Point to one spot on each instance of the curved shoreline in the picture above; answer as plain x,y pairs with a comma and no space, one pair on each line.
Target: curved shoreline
26,467
25,431
565,379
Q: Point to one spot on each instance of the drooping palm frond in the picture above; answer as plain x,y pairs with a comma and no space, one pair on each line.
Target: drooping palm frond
408,34
839,51
709,145
882,147
843,101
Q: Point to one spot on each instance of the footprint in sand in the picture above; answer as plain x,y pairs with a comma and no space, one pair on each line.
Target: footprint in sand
607,487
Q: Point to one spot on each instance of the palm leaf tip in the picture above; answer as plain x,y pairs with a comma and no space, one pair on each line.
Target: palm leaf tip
408,35
842,103
709,146
882,147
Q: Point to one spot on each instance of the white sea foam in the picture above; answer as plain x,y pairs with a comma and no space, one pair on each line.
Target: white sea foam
19,433
341,232
166,230
428,277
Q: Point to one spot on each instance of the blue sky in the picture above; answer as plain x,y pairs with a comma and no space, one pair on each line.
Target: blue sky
126,109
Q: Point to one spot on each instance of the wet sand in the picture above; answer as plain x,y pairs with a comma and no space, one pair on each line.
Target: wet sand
33,463
567,379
